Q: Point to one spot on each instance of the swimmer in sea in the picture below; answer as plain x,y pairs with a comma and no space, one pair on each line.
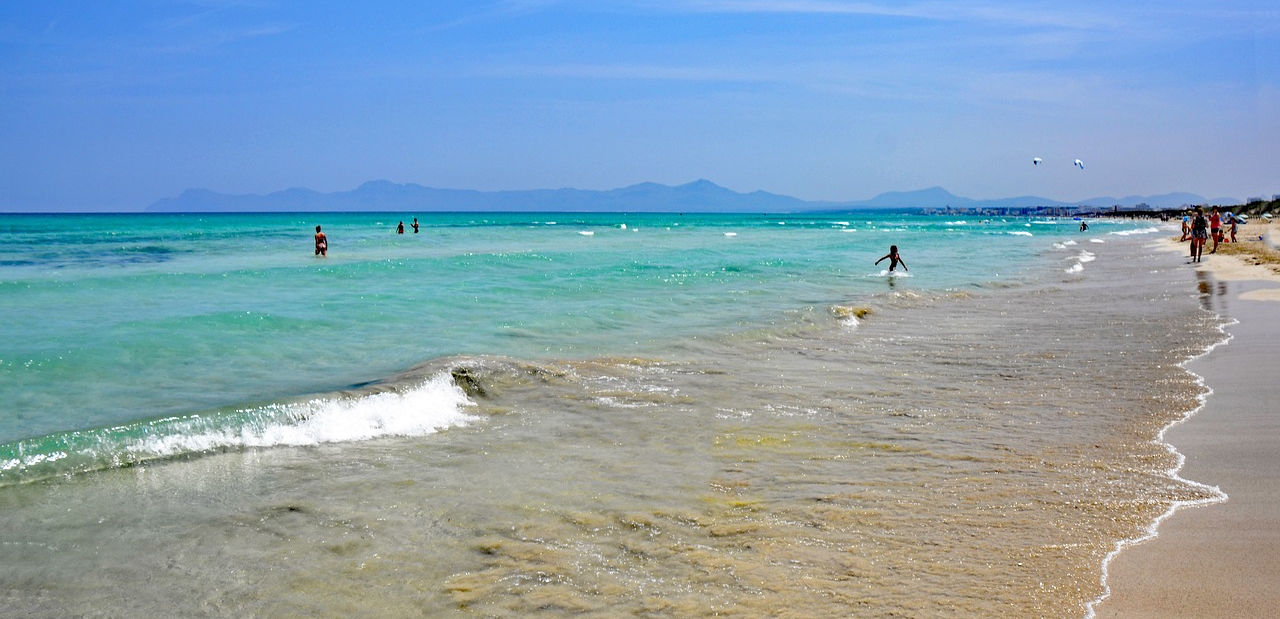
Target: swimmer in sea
400,228
894,259
322,243
415,225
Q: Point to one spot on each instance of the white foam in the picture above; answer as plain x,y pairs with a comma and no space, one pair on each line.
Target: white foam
32,460
1068,243
1135,231
434,405
731,234
586,233
1085,256
958,223
622,226
1218,496
430,407
1096,241
1075,268
1020,233
1059,246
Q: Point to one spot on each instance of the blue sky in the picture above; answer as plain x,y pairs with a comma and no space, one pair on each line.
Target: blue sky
111,106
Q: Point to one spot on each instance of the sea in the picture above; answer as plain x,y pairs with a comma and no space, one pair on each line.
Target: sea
598,414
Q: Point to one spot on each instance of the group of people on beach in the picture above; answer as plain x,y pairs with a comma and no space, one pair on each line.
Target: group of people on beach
1199,229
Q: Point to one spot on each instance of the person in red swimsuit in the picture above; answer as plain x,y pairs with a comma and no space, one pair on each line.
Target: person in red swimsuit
1215,228
322,243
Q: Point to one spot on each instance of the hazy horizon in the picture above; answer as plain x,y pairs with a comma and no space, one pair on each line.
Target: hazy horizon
113,107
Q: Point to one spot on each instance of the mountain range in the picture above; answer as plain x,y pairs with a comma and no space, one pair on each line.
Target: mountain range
701,196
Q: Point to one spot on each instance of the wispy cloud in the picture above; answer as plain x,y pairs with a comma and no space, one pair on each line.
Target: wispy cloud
1067,17
228,36
625,72
501,10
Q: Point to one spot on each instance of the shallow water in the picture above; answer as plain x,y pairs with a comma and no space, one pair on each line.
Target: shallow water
951,443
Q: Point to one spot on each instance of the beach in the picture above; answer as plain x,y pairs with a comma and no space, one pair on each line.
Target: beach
516,415
1220,559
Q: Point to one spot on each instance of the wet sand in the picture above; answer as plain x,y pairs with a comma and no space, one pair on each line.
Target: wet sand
1223,559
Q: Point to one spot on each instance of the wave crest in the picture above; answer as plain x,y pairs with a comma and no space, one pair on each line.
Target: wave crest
410,409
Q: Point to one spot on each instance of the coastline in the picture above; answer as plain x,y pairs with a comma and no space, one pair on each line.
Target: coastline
1224,559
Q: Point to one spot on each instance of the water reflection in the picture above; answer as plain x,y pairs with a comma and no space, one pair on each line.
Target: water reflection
1210,288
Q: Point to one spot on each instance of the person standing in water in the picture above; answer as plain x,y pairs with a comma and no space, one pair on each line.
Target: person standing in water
400,228
322,243
415,225
894,259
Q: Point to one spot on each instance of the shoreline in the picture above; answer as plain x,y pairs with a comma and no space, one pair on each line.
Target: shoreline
1222,560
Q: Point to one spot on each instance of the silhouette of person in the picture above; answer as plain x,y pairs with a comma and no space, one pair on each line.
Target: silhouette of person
894,259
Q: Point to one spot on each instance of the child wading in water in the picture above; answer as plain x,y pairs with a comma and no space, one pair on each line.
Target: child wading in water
894,259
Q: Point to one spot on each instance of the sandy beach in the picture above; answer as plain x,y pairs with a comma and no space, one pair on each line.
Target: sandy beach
1221,559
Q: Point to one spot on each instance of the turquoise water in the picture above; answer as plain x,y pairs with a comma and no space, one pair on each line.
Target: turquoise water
111,319
519,414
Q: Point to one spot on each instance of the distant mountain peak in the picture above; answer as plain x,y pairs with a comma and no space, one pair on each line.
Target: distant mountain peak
376,183
702,183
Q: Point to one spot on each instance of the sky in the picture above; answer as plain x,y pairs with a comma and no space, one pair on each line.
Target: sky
114,105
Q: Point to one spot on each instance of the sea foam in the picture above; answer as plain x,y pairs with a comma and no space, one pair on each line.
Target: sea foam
432,406
426,408
1148,230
